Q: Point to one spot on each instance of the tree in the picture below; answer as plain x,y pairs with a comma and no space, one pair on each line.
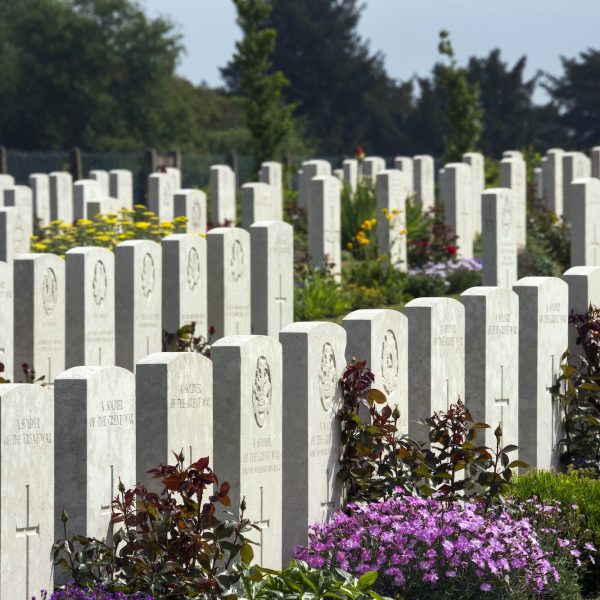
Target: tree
268,117
575,95
462,105
100,74
342,94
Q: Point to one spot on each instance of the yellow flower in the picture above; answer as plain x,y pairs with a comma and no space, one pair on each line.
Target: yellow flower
142,225
39,247
403,231
349,245
140,206
147,213
167,225
84,222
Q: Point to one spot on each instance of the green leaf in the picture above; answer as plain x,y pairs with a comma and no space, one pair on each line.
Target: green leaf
246,553
367,579
518,463
376,396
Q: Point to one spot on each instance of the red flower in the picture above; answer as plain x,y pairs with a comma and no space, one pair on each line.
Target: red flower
359,152
452,249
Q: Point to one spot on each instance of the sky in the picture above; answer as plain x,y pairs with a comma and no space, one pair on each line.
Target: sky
406,32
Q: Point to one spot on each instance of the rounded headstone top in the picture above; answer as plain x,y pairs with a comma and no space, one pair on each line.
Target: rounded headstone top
89,373
582,270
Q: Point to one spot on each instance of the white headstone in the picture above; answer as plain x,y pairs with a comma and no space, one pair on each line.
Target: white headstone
477,163
380,337
175,174
595,161
512,154
456,192
40,187
585,222
584,290
247,430
192,205
21,198
90,307
405,164
27,510
538,183
543,337
436,358
6,321
138,289
272,278
39,309
492,361
499,238
121,187
313,363
424,181
101,206
160,195
184,283
61,197
324,224
84,191
95,443
513,175
310,169
103,179
222,196
575,165
552,176
350,169
258,204
371,166
6,181
392,190
229,265
8,234
271,174
174,410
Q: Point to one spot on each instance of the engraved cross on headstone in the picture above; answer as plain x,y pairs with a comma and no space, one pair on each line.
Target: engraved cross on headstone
280,299
327,506
549,389
502,401
26,532
263,524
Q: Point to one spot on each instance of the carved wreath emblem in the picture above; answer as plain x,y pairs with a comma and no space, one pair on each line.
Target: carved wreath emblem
99,283
49,291
237,260
148,275
327,376
389,362
193,269
261,391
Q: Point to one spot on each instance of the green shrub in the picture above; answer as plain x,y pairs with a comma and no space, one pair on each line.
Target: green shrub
377,274
462,279
317,295
421,285
357,207
574,488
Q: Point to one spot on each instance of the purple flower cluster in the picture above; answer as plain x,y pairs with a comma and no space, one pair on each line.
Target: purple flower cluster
73,592
423,543
443,269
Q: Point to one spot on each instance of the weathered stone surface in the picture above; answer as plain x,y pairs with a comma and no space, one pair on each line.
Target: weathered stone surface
380,337
436,357
61,197
585,222
456,193
121,187
229,264
258,204
477,164
313,363
27,504
6,321
222,195
160,195
20,198
513,175
499,239
492,361
138,280
90,307
247,434
39,309
543,337
174,407
424,181
40,187
192,205
95,444
272,277
184,283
